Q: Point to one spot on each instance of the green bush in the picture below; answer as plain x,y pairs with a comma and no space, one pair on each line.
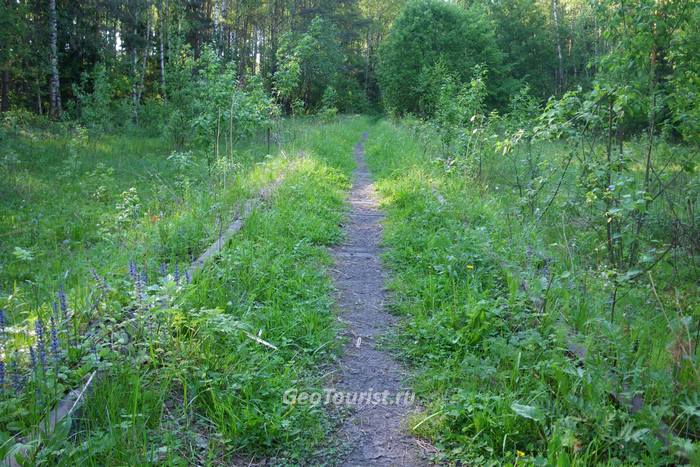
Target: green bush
351,97
213,108
428,32
309,63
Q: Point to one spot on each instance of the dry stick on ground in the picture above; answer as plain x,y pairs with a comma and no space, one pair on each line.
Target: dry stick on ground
237,223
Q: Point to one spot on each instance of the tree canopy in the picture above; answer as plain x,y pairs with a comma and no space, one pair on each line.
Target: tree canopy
428,32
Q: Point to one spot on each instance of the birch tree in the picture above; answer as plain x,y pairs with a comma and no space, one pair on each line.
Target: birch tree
54,87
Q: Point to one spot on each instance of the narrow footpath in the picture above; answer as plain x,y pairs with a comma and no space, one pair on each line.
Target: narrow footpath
376,431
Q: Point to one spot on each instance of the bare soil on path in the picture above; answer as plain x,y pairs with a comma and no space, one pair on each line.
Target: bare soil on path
375,432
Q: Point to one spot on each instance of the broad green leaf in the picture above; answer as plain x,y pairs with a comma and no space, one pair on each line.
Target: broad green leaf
528,411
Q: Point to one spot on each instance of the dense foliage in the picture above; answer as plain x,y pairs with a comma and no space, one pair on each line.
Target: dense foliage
427,40
540,174
527,343
130,53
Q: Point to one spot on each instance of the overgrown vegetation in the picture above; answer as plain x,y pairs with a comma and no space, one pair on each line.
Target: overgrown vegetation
539,171
160,344
546,258
414,58
508,315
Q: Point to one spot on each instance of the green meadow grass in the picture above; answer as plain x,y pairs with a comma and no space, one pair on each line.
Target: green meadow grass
492,304
198,388
65,205
495,305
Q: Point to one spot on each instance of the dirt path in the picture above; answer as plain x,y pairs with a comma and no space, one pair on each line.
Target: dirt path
375,432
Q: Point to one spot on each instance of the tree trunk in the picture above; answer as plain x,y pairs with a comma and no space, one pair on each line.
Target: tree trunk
37,84
572,51
560,69
161,14
245,50
134,82
368,56
5,92
54,89
274,14
139,84
144,60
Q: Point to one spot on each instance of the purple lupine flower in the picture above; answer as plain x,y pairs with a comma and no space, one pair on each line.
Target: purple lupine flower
176,273
2,375
137,287
16,378
137,277
54,340
32,358
163,269
39,329
188,277
62,299
133,271
101,281
40,341
95,302
144,283
2,325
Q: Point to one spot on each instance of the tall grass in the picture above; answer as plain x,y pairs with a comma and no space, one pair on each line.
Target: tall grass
181,379
507,320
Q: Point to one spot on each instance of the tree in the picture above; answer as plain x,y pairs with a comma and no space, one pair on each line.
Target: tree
54,88
309,63
560,59
428,31
525,38
13,47
684,85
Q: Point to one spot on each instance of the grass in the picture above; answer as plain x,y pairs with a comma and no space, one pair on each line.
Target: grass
76,210
181,379
499,308
74,201
506,310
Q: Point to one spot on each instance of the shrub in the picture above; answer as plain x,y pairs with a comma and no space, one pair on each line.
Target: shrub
351,98
309,63
213,105
425,33
95,108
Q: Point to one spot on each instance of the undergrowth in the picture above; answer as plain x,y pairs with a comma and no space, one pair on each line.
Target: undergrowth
188,369
507,323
